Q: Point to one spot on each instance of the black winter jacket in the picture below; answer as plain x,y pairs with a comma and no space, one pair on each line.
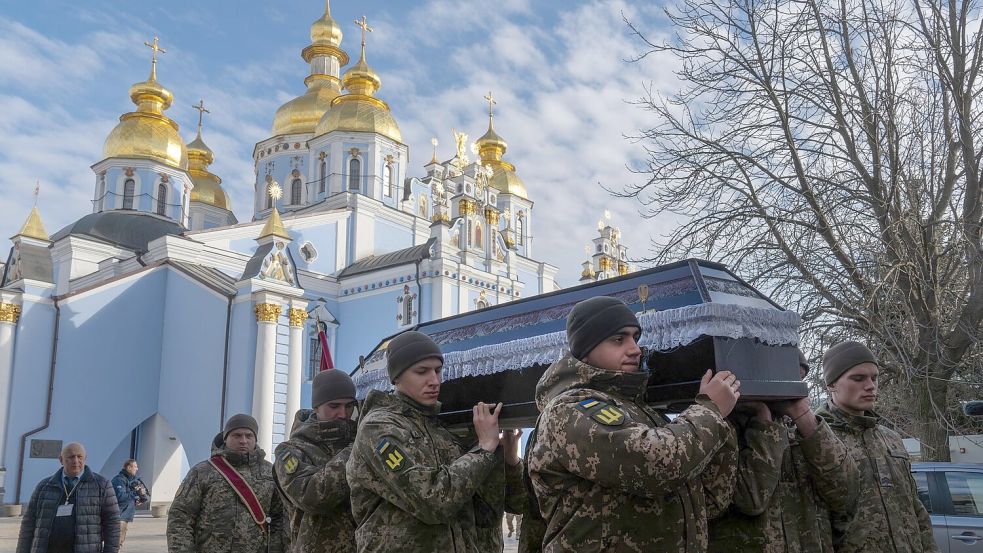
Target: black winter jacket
96,515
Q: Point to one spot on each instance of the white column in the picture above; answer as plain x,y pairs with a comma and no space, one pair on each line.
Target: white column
264,374
9,314
295,363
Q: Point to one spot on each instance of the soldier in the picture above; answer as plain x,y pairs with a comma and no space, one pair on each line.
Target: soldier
791,473
611,473
229,502
503,492
310,468
889,517
412,486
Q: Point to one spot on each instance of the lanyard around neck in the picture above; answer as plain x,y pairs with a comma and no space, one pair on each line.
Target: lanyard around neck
68,493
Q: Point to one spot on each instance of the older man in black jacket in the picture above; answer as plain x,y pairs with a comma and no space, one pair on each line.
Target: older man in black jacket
73,511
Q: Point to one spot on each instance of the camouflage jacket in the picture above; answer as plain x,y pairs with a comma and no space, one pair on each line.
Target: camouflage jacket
207,516
310,471
612,474
412,485
786,487
889,517
503,491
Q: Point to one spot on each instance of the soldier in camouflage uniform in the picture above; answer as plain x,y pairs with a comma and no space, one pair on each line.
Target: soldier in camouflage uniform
889,517
412,485
207,515
791,473
611,473
310,468
502,492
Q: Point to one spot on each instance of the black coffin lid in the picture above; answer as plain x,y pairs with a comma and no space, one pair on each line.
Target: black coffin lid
499,353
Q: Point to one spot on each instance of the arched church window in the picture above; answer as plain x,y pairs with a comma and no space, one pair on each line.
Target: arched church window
424,212
324,176
161,199
520,229
295,190
387,185
128,188
354,174
406,313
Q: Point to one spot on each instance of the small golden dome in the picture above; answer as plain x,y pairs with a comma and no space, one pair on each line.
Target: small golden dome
208,186
359,114
506,181
301,114
359,110
147,132
326,30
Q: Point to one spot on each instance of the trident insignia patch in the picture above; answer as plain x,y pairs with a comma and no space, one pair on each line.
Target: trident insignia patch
602,412
391,455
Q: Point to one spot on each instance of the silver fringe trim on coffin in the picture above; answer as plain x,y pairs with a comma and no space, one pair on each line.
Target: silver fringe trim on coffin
661,330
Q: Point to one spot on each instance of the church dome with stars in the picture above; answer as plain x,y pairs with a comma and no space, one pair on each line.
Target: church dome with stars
359,110
147,132
301,114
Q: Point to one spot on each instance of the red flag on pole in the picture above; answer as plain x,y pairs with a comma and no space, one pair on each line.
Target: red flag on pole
326,362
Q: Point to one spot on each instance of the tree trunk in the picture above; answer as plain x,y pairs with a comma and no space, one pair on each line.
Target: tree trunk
930,399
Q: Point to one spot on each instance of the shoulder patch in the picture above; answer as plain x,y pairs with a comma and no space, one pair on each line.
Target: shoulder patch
391,455
602,412
290,463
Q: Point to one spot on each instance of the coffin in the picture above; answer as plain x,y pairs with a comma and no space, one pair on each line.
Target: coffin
695,315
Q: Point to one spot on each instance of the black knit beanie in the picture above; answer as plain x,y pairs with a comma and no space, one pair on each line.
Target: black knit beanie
240,421
330,385
592,321
803,362
843,357
407,349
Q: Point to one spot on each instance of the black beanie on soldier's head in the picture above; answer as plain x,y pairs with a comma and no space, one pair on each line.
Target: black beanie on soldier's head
843,357
330,385
240,421
592,321
407,349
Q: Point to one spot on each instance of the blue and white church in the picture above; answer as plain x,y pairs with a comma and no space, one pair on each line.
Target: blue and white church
140,327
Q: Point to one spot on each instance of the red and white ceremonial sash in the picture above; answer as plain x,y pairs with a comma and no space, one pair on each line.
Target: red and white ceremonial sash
242,489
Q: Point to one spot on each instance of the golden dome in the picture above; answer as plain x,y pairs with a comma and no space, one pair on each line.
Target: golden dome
359,110
326,30
506,181
147,132
301,114
208,187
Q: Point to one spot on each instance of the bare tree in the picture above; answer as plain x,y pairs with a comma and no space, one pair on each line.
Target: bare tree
830,151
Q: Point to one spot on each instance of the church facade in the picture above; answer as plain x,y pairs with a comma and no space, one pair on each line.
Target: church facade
140,327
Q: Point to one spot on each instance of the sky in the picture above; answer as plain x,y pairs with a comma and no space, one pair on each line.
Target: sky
558,70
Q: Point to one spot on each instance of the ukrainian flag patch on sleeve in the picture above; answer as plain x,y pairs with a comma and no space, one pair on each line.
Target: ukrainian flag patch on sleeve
602,412
392,457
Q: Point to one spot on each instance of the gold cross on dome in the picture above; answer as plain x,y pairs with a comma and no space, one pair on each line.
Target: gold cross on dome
37,191
491,102
200,106
155,46
363,24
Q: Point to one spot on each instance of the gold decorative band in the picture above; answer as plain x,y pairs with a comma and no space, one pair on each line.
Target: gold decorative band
9,313
491,216
267,312
297,317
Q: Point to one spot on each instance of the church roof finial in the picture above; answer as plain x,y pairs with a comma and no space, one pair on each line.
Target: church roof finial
155,47
33,227
274,226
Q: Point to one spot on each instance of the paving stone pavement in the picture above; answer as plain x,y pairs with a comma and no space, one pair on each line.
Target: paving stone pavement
147,535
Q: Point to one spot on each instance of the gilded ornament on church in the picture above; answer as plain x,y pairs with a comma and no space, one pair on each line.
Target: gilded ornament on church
622,269
461,139
491,216
9,313
267,312
296,145
128,171
605,263
163,177
297,316
354,152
